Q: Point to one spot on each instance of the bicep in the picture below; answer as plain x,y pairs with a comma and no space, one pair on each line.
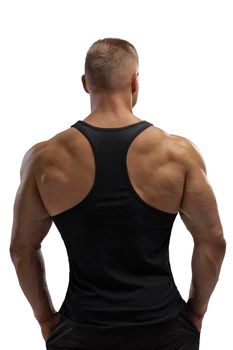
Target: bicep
31,221
198,209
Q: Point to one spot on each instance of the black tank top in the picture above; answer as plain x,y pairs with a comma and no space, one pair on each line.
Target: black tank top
117,245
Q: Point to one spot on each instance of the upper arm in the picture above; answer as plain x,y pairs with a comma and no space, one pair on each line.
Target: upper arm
31,221
198,208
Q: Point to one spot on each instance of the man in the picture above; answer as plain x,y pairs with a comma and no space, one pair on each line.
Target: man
113,184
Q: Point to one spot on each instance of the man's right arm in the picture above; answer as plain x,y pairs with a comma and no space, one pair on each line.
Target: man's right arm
199,212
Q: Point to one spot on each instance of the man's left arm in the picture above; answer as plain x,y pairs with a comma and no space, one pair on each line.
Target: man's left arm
31,223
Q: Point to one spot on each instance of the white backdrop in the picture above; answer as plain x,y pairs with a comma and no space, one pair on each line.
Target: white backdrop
186,88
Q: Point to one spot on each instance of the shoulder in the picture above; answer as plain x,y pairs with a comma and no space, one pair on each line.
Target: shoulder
188,151
31,157
46,153
178,148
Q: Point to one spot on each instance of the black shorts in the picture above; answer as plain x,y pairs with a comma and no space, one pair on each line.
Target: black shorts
176,334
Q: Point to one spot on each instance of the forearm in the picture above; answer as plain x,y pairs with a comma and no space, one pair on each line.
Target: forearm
206,265
30,269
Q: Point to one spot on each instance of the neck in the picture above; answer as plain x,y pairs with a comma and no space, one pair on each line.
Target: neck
115,105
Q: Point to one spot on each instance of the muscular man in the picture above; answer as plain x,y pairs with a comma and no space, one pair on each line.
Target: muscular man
113,185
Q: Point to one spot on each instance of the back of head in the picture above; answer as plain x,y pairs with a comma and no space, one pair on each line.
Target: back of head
109,65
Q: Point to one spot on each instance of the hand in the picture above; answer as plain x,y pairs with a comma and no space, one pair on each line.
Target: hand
194,318
47,327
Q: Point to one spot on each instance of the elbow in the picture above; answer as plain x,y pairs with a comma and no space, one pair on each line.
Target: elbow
19,247
219,253
219,244
214,246
214,241
215,249
14,253
222,246
19,251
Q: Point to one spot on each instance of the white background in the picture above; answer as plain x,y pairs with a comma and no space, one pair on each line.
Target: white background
186,88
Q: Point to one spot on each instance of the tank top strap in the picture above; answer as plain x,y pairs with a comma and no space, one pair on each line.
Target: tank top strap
110,146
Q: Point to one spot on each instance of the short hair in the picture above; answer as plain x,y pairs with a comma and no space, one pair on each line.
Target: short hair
108,64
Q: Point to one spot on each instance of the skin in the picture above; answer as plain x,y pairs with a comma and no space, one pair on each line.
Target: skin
171,177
